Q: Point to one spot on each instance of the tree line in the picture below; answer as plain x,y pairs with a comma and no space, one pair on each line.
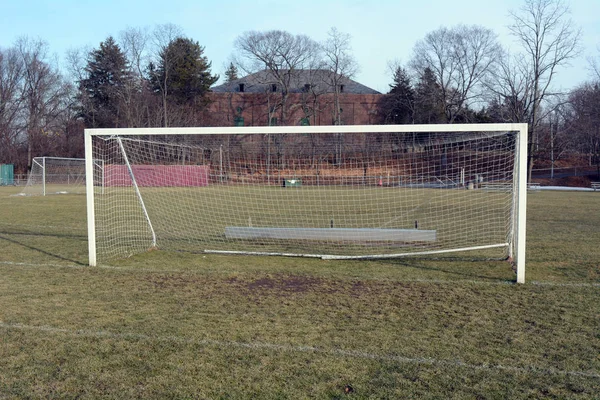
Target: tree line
159,77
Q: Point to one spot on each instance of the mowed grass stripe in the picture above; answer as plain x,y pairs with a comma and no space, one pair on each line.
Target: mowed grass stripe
531,369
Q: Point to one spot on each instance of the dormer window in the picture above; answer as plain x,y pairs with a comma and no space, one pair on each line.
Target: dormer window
273,87
307,87
241,87
341,88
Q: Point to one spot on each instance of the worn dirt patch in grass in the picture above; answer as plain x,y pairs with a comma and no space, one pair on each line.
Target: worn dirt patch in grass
290,284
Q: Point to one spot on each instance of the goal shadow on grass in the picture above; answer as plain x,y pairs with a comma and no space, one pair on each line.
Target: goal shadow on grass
40,250
462,267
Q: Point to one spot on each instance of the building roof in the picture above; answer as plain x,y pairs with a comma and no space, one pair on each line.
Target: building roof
317,81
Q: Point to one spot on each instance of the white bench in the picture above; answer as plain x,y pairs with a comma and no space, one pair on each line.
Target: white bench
493,186
596,186
337,234
506,187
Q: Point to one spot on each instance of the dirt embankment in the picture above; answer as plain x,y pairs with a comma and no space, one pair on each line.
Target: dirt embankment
570,181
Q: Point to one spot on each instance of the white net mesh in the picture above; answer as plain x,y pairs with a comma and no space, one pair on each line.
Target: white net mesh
54,175
342,194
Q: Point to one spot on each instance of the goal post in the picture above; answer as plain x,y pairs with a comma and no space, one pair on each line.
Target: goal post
56,175
334,192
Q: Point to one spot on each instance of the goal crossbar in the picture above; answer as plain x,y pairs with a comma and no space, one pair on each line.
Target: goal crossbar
258,130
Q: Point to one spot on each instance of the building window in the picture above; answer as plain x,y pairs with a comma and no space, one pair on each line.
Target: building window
273,87
238,121
241,87
307,87
305,121
341,88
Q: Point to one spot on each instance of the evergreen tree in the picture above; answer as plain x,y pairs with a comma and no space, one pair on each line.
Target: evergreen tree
231,74
429,105
106,75
398,105
183,72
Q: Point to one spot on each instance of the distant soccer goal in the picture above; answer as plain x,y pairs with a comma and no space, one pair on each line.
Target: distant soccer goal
320,191
57,175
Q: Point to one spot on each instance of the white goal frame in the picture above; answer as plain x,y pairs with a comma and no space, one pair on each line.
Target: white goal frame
519,205
41,163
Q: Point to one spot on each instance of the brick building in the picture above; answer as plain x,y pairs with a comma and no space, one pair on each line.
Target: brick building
301,97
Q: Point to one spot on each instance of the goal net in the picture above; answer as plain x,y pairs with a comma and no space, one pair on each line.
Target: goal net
323,191
55,175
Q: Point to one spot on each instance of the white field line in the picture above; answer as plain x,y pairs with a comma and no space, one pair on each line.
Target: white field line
25,226
537,283
190,271
531,369
46,265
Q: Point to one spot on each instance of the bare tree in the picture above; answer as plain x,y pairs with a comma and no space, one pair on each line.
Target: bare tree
340,64
11,102
510,87
45,94
161,37
557,138
549,40
281,55
135,43
75,62
595,65
460,59
585,120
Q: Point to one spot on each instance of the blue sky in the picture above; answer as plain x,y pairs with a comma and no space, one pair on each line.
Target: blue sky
381,30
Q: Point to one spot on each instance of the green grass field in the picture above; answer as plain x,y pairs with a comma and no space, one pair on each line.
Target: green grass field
168,324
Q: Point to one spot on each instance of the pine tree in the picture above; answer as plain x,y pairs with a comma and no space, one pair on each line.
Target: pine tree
107,74
231,74
183,72
398,105
429,105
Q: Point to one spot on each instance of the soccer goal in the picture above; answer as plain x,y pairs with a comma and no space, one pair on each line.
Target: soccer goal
334,192
57,175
